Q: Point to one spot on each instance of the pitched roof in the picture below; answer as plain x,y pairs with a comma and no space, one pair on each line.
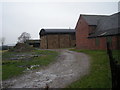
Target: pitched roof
93,19
108,26
56,31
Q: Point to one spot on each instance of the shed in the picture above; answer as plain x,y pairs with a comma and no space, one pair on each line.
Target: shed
90,27
109,28
57,38
34,43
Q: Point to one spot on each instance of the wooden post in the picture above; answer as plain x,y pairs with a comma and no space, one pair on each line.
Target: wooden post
47,41
114,68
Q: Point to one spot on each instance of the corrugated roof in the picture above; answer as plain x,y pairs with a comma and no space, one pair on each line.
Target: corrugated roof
56,31
108,26
93,19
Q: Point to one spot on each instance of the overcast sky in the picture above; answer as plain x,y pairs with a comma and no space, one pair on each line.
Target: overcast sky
28,16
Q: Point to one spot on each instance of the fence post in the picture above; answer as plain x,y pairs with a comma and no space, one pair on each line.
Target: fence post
114,68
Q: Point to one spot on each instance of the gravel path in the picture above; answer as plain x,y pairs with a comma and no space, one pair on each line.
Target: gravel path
69,67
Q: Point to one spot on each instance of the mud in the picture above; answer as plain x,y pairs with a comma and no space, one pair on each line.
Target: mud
69,67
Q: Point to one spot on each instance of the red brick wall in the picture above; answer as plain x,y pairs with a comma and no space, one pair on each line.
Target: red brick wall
82,42
115,42
82,31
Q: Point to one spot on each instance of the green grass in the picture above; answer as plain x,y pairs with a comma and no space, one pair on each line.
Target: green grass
100,74
116,55
10,68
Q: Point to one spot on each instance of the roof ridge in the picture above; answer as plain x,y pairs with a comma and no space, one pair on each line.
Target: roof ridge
93,15
118,13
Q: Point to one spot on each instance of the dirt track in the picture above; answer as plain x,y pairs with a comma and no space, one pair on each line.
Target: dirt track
68,68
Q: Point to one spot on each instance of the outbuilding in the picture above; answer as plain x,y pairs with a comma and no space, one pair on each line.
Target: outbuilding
35,43
57,38
109,30
90,30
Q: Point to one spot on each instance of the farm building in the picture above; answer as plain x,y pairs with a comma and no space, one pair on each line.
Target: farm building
57,38
34,43
89,26
109,29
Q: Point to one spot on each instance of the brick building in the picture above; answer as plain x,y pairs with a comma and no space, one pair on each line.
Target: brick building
90,27
57,38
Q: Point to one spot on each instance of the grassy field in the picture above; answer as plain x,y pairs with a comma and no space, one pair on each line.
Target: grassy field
99,76
11,68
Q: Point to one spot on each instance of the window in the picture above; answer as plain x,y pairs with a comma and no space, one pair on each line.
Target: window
97,42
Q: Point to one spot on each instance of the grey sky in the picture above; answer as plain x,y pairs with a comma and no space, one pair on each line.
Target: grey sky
18,17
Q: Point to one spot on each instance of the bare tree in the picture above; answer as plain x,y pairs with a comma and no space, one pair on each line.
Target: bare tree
23,37
2,40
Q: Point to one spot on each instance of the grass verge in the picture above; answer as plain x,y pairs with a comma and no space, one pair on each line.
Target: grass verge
11,68
100,74
116,55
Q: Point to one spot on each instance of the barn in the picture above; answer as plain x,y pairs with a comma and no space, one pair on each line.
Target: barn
57,38
108,29
85,26
90,27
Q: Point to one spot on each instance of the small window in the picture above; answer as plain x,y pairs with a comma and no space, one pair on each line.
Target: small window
97,42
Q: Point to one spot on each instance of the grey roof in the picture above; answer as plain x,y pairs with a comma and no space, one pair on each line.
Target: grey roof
33,41
108,26
56,31
93,19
